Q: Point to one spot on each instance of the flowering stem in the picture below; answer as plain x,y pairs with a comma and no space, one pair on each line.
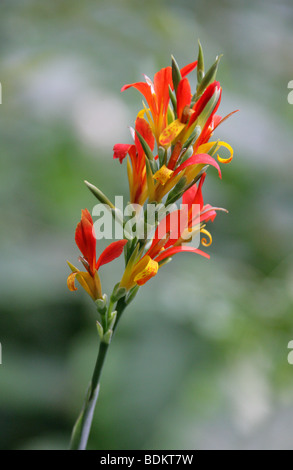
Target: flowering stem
81,430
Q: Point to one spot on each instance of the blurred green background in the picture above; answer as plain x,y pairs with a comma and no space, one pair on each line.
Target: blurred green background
200,358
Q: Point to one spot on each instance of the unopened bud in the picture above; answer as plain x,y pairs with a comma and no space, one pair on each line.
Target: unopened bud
176,74
209,77
99,195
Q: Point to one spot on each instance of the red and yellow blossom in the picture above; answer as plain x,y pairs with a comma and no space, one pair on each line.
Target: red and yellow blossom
171,237
137,168
188,117
157,96
183,134
86,242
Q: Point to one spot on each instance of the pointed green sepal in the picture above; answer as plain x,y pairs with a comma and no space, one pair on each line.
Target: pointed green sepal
173,101
209,77
193,137
177,191
118,293
162,153
200,64
102,304
107,337
176,74
112,320
185,156
100,330
99,195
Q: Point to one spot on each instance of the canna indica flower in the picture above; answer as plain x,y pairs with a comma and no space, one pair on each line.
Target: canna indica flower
157,96
188,117
182,134
171,237
136,170
86,242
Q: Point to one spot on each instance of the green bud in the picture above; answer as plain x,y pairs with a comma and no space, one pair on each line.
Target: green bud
112,319
102,304
209,77
193,137
173,100
185,155
107,337
162,156
118,293
200,64
100,330
99,195
176,74
170,115
177,191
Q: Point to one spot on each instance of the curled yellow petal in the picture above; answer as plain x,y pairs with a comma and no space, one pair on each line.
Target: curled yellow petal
147,268
71,282
91,284
228,147
163,175
206,241
171,132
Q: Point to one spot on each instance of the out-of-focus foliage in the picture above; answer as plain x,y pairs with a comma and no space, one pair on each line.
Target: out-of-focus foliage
200,359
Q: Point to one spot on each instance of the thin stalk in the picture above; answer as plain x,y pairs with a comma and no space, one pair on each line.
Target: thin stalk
81,430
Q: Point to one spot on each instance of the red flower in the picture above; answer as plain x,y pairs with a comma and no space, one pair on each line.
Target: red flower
157,95
86,242
137,170
207,105
175,230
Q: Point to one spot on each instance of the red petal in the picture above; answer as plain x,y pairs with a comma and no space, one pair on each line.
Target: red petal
143,127
188,68
120,151
179,249
113,251
216,120
85,239
183,96
145,90
169,229
219,120
203,101
162,80
206,132
199,159
194,194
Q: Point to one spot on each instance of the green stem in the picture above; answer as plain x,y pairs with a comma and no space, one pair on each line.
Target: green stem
81,430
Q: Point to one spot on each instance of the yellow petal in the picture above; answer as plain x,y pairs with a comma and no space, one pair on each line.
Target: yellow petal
92,285
171,132
147,268
163,175
205,241
228,147
71,282
205,148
